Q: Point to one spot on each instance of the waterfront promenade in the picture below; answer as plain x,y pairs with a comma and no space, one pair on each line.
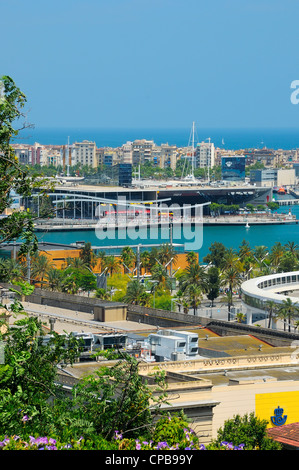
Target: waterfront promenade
87,224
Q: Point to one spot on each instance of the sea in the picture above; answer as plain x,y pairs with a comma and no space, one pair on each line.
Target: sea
229,139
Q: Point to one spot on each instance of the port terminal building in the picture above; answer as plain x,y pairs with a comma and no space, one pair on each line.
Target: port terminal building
81,201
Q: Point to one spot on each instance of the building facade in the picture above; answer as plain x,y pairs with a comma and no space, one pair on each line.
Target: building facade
233,168
205,155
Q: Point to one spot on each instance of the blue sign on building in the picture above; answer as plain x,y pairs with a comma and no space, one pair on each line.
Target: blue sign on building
278,419
233,168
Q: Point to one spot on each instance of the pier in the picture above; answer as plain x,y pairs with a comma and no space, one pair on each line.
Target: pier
287,202
246,220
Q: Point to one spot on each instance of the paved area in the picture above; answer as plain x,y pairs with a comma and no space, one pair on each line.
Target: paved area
70,320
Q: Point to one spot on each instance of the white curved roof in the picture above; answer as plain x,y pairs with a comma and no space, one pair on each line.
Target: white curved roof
268,287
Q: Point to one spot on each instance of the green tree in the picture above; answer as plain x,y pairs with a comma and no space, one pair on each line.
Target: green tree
232,279
111,264
287,311
54,279
102,294
212,285
271,307
41,265
167,254
126,402
128,258
288,262
160,274
216,256
273,206
136,293
14,176
276,253
87,255
28,377
244,250
248,430
12,270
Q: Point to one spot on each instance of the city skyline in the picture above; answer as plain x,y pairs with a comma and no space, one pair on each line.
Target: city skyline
141,63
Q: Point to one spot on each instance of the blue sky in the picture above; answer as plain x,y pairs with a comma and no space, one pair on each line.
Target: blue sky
153,63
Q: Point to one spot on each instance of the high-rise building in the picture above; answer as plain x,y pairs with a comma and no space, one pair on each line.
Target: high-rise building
122,174
233,168
205,155
84,153
142,151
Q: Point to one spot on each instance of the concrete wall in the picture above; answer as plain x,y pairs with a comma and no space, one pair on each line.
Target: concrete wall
99,310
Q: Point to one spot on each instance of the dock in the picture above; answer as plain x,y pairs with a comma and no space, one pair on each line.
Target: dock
250,219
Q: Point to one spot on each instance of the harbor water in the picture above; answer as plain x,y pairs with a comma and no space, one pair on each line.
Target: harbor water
230,235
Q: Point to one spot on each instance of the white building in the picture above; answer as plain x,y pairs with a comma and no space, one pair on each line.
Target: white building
205,155
83,153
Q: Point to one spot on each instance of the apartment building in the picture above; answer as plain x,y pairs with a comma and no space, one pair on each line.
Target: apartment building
36,154
84,153
142,151
126,153
205,155
168,156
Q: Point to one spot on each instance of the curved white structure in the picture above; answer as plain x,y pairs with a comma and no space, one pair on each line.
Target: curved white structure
256,292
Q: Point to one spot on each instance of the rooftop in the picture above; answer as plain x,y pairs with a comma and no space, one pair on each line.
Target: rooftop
288,434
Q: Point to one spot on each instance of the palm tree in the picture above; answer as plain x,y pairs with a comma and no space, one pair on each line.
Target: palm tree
101,255
195,296
193,274
136,293
13,270
191,257
232,279
245,251
54,279
287,311
167,255
112,264
77,263
240,317
41,264
230,259
271,307
293,248
160,274
260,254
87,255
70,285
277,251
128,258
145,260
102,294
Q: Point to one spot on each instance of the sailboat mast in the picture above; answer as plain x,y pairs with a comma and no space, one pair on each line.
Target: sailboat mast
193,149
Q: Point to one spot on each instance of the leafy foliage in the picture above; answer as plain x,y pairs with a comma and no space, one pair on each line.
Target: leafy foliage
14,177
248,430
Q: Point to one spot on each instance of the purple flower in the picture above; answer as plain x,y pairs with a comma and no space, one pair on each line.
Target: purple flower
162,445
118,435
4,442
25,418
